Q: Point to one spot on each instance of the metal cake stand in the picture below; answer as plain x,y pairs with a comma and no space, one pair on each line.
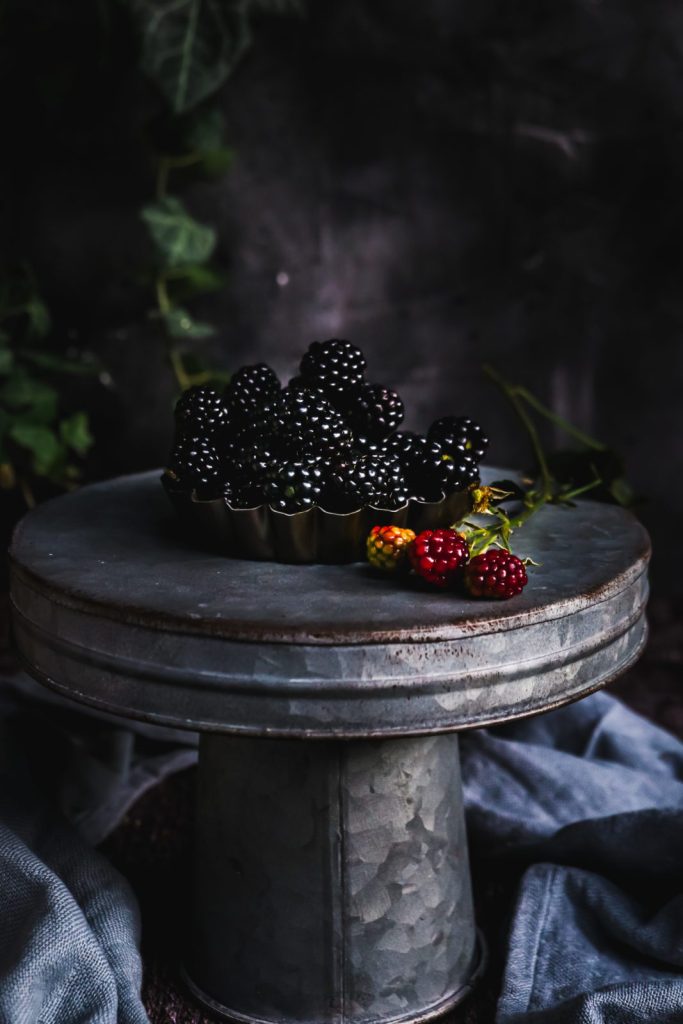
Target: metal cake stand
331,875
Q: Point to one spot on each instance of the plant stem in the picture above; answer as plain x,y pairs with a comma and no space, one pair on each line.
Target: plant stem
559,421
511,393
27,492
172,163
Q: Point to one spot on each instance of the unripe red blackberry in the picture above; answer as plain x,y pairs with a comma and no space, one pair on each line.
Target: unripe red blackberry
496,574
438,556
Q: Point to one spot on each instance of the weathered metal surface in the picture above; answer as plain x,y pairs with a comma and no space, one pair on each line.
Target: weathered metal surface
332,881
113,611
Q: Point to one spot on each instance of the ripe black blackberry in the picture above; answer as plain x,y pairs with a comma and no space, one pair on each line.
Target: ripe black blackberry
310,387
195,464
401,444
306,425
250,390
363,445
371,480
459,433
374,410
200,412
397,491
336,365
432,472
248,473
295,486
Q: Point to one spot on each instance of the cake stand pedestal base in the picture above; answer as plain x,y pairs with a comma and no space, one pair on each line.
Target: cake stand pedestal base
331,880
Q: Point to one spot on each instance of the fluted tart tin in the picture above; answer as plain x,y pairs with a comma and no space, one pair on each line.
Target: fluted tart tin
315,535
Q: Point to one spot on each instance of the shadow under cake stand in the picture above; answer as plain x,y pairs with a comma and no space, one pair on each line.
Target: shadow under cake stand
331,876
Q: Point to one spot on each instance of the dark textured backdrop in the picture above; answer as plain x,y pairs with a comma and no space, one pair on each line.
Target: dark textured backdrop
443,183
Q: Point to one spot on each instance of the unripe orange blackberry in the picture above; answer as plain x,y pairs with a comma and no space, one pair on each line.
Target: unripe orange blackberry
388,546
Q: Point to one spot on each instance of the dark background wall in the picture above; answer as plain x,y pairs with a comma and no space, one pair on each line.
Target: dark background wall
445,183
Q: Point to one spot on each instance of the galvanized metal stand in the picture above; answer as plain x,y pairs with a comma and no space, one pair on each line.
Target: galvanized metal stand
331,882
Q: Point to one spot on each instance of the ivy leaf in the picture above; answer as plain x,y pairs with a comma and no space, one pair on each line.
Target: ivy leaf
75,433
60,364
217,161
180,324
196,279
177,236
43,444
32,400
205,136
205,131
38,317
189,47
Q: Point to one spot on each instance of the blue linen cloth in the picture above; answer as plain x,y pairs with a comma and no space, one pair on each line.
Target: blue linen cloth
69,924
590,799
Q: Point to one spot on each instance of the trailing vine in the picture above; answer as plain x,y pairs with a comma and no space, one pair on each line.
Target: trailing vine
187,49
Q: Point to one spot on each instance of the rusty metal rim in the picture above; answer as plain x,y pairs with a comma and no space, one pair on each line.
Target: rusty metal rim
244,633
445,1005
395,686
483,721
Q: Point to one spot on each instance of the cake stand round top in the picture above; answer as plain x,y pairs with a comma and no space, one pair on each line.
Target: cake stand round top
113,608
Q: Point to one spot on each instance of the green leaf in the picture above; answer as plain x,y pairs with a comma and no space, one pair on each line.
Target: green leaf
180,324
75,433
60,364
177,236
218,161
38,317
205,131
196,278
622,492
189,47
6,360
32,400
42,442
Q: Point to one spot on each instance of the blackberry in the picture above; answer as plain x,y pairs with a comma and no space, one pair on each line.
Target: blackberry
401,444
496,574
200,411
248,474
366,446
196,465
375,411
306,425
459,434
439,556
310,387
432,472
295,485
371,480
336,365
250,390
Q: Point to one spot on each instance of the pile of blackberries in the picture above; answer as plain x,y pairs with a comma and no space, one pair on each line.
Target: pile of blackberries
328,438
